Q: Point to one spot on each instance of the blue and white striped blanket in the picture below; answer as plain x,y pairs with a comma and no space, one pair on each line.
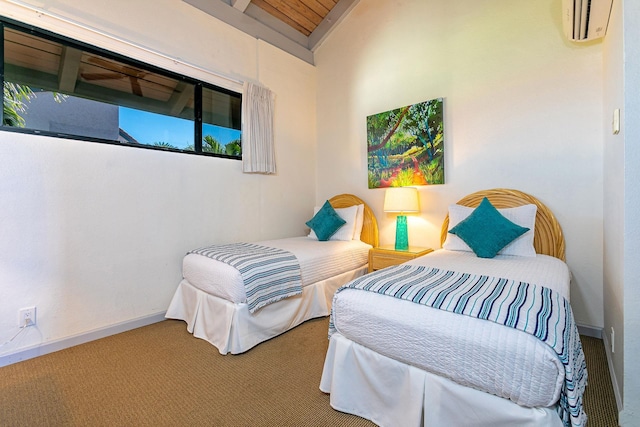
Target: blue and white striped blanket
269,274
531,308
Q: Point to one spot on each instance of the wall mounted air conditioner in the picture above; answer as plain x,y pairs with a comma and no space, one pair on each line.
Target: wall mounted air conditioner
585,20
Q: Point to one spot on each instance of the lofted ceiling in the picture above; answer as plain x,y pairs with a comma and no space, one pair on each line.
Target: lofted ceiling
295,26
303,16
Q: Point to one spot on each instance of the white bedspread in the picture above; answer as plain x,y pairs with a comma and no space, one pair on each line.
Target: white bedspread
318,261
472,352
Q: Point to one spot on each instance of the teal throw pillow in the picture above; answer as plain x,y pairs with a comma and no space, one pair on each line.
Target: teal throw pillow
326,222
487,231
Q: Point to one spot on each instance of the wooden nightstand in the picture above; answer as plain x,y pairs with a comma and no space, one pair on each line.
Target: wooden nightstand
385,256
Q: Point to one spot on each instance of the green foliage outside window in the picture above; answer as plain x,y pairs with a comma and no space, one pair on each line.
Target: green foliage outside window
15,99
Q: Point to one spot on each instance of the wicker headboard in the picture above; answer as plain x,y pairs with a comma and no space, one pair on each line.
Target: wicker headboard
548,238
370,225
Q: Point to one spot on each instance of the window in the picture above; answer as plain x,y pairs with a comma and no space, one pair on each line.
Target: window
57,87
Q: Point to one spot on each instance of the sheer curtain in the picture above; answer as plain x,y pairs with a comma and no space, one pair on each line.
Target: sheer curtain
258,152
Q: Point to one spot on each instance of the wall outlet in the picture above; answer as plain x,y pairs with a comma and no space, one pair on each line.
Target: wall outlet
27,316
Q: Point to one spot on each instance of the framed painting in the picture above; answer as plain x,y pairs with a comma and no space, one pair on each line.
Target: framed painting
405,146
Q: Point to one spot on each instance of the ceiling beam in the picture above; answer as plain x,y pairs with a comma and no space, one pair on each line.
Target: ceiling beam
274,23
254,21
241,5
68,70
333,18
182,93
249,25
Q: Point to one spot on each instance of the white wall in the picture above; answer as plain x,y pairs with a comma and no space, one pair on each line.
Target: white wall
613,296
94,234
630,298
621,207
523,109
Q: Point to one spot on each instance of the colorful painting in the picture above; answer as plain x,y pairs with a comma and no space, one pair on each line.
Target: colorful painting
405,146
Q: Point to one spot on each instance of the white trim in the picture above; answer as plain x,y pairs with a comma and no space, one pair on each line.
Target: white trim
590,331
35,16
612,373
61,344
594,332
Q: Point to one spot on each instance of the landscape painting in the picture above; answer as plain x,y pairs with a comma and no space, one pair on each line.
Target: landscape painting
405,146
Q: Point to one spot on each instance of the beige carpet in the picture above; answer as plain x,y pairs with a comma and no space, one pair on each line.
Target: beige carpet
160,375
599,400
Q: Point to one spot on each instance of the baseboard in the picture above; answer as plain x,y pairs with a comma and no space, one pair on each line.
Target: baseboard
590,331
594,332
61,344
612,373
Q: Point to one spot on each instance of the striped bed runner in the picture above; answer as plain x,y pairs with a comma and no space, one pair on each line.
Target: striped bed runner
534,309
269,274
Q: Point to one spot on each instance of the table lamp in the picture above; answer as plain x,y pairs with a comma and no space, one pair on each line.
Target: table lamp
401,199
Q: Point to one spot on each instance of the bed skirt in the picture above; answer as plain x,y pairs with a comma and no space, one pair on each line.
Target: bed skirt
232,329
391,393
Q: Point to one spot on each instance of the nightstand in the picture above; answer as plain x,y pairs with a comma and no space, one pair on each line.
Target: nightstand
385,256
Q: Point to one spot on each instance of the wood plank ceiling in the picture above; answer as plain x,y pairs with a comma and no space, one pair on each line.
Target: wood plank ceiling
302,15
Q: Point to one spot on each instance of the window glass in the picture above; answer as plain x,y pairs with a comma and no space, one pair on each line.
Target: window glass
54,87
220,123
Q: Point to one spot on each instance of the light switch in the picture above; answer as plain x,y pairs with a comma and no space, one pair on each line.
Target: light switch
616,121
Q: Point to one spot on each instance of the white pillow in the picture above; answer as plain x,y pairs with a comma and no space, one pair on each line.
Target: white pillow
357,231
346,231
524,216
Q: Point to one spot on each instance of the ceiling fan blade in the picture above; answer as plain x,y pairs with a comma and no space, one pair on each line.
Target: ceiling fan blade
101,62
101,76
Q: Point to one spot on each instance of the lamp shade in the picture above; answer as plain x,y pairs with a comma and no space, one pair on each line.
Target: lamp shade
401,199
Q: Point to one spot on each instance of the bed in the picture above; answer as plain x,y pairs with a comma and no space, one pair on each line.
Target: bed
212,298
398,363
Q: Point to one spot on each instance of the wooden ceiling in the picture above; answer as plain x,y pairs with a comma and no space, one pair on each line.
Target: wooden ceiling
295,26
302,15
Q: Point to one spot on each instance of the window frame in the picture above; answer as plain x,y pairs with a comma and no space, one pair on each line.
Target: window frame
198,85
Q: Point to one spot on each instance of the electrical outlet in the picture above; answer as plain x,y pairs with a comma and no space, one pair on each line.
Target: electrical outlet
27,316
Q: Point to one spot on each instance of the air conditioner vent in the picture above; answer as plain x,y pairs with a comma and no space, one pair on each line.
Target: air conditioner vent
585,20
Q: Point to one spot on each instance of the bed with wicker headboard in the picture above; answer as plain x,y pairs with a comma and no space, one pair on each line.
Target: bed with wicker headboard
448,359
215,303
548,239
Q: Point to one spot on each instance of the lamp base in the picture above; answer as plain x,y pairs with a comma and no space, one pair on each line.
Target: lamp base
402,236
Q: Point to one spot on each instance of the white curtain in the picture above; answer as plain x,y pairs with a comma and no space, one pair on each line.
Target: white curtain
258,152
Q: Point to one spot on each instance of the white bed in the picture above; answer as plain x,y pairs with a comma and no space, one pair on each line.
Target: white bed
399,363
211,297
